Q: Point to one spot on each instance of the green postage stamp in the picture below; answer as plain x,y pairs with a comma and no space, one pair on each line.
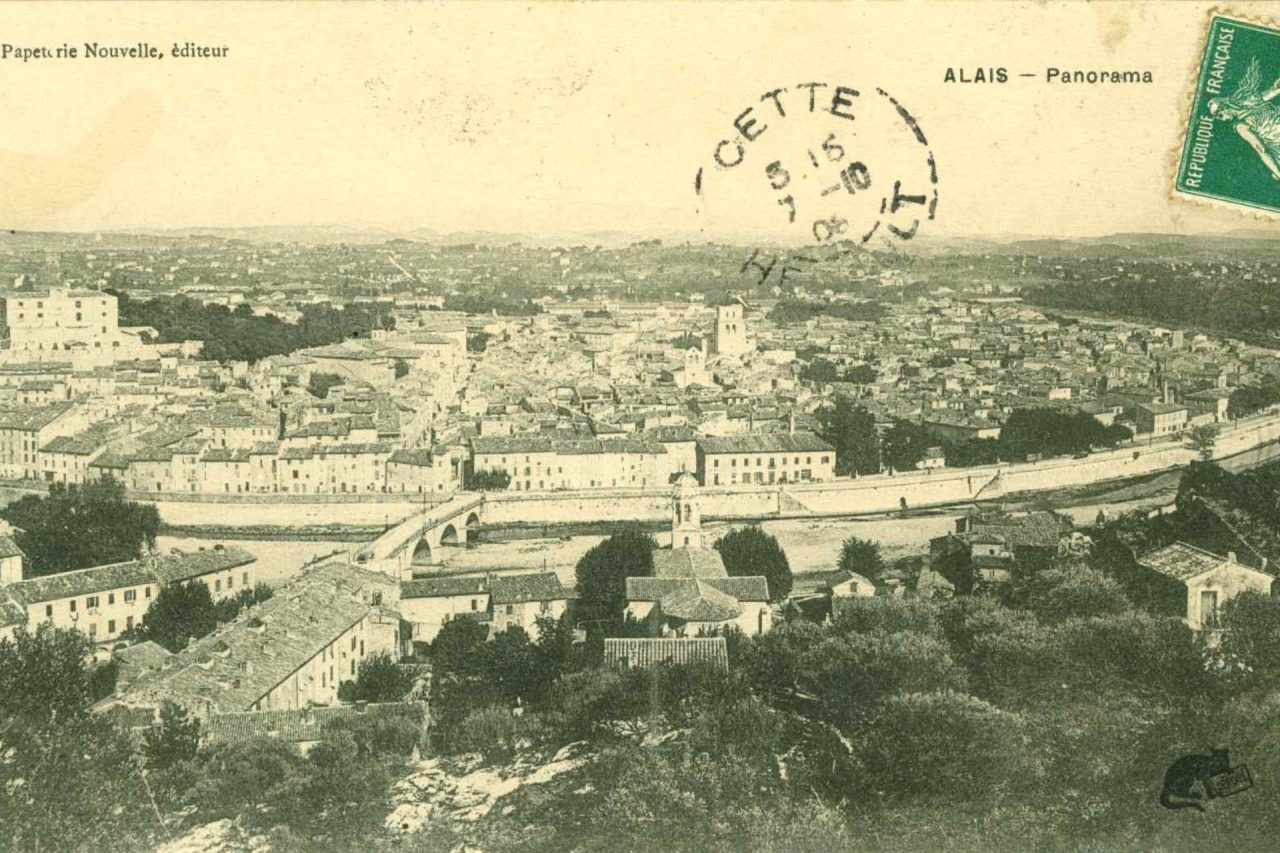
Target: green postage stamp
1231,152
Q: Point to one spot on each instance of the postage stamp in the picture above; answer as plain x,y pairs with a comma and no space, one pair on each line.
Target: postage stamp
1231,149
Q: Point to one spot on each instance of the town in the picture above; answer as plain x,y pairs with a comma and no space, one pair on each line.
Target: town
400,513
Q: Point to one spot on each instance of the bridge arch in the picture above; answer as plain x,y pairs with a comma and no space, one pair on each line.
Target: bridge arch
473,527
422,553
449,535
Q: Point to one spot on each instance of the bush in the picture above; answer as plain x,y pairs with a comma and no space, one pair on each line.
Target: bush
851,674
944,744
885,615
491,731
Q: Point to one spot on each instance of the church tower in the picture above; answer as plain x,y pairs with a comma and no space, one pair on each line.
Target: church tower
731,330
686,519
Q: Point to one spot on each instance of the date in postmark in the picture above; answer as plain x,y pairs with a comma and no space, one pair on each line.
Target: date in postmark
822,165
1231,148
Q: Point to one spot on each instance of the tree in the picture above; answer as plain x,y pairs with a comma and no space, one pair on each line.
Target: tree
402,368
904,445
1251,635
478,341
861,556
750,552
1203,438
455,648
603,571
177,738
378,680
944,742
42,674
181,611
852,430
320,383
486,481
79,526
1072,591
853,673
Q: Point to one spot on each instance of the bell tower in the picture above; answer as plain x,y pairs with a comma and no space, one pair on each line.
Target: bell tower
686,519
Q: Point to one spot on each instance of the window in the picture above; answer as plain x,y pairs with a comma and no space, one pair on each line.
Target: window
217,585
72,604
93,629
473,604
111,626
511,608
111,597
231,581
128,622
48,611
245,578
130,595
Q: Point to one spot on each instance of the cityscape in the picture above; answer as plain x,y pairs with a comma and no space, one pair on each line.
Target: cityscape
351,540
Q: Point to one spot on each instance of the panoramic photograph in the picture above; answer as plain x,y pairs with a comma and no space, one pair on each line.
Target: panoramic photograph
634,426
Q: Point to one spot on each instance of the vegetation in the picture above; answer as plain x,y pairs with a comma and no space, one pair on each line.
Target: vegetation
750,552
186,611
1248,400
478,341
1052,433
603,571
380,679
486,481
851,429
500,304
319,384
861,557
240,335
107,528
822,371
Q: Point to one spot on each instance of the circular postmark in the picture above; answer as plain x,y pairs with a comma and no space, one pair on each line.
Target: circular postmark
826,166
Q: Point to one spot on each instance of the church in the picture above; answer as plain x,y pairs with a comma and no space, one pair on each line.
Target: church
690,593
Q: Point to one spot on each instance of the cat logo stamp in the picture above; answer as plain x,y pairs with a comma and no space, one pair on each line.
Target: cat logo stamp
1231,150
1193,780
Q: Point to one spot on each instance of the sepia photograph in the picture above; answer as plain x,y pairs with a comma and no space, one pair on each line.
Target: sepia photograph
639,427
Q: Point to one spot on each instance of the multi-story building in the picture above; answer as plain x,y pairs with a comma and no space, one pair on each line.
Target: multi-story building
291,651
536,463
105,601
730,337
781,457
82,326
500,601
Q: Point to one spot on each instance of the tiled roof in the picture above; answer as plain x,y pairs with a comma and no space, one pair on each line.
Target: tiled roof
741,588
32,417
1181,561
688,563
699,602
9,548
646,653
157,570
443,586
771,442
531,586
243,660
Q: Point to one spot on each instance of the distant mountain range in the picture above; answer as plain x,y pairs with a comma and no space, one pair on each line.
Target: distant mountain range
1162,245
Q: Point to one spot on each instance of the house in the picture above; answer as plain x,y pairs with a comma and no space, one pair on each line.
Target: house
843,584
990,543
1157,419
500,601
105,601
778,457
1192,583
690,592
288,652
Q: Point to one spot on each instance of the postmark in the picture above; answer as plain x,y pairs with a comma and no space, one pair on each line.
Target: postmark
1231,145
819,168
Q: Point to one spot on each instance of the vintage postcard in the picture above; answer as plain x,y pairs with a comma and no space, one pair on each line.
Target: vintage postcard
639,426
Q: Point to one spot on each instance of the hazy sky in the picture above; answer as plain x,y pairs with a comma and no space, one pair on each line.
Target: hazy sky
563,119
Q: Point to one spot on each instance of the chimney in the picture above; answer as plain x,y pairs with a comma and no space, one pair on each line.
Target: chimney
791,421
1231,556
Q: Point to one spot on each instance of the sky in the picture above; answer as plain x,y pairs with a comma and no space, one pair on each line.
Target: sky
587,117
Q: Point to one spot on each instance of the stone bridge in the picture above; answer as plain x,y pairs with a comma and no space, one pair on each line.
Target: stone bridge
418,539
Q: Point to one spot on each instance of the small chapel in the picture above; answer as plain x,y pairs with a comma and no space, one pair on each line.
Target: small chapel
690,592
